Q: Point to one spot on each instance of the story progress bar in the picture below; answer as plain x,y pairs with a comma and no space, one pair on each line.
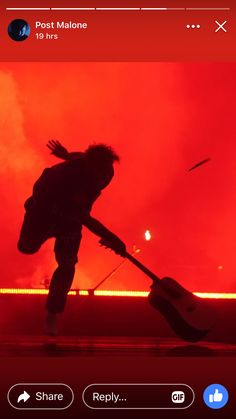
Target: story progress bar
160,9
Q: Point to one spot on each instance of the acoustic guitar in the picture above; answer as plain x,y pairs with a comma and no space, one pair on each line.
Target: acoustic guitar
189,316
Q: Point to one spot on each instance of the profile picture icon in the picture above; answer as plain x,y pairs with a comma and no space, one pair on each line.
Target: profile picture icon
19,30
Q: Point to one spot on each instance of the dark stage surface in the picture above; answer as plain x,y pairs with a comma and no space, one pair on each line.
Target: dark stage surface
112,340
107,326
44,346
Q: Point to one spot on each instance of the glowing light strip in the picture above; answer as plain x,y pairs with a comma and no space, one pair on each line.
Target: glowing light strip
82,292
111,293
216,295
28,291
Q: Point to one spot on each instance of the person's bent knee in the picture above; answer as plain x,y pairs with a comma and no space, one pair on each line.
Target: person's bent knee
66,260
26,248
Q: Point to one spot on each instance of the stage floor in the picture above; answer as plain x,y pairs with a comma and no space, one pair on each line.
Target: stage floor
20,345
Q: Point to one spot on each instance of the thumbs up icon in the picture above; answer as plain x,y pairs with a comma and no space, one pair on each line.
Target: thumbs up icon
216,397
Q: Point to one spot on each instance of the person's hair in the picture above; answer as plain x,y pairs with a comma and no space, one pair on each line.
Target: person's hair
102,152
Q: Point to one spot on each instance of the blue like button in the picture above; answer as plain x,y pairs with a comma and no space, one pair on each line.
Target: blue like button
215,396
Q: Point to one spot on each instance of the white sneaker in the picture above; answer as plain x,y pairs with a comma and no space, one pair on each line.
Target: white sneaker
51,324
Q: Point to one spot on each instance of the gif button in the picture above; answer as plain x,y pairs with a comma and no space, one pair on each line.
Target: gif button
40,396
178,397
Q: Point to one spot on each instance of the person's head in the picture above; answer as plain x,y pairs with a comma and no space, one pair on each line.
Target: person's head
102,153
101,158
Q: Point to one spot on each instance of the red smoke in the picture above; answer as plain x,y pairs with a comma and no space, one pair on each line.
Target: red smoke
162,118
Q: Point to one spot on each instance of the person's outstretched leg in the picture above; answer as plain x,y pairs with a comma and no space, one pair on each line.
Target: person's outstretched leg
66,249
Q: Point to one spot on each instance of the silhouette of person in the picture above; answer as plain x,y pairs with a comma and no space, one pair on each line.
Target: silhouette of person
59,207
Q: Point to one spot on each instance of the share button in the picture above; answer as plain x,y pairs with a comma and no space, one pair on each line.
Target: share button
40,396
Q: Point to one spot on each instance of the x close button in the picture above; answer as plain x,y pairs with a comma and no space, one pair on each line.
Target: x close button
138,396
220,26
40,396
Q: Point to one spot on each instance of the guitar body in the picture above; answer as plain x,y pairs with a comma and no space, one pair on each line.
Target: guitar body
189,316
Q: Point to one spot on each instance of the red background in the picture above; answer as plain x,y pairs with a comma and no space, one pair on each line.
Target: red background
161,118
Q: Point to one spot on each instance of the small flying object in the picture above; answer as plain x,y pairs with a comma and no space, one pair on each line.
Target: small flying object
199,164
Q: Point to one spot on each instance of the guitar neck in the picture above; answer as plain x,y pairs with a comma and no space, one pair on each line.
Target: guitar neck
142,267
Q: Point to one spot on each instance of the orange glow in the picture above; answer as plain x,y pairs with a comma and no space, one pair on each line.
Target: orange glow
111,293
136,249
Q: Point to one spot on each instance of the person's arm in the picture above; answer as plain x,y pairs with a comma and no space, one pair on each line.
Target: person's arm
112,241
58,150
